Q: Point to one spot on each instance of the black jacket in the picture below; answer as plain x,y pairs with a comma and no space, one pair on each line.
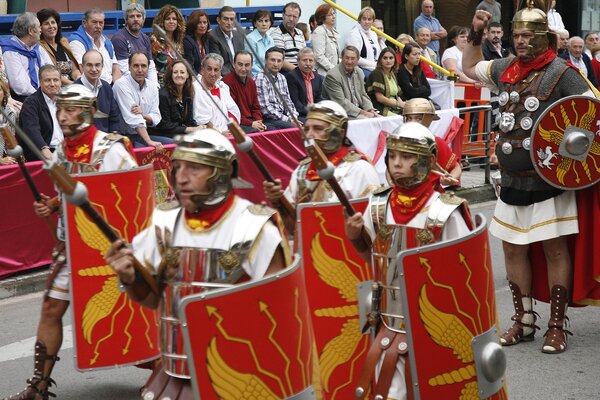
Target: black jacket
588,64
36,121
173,121
191,51
108,105
297,89
490,53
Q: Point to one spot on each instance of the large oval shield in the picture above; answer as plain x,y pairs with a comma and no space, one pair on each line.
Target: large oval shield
565,143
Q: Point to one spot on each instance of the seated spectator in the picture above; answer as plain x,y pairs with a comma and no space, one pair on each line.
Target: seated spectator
38,114
452,57
176,98
205,109
364,39
304,84
344,84
378,24
288,37
243,91
13,116
23,57
325,39
195,43
259,41
56,46
413,82
579,59
89,36
92,64
274,113
137,98
224,40
130,39
169,18
382,85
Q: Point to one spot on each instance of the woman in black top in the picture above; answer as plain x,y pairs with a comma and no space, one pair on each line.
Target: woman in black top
411,78
195,43
57,46
176,99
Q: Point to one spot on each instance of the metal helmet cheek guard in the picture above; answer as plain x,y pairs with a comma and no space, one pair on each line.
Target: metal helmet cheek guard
208,147
331,112
533,18
76,95
413,138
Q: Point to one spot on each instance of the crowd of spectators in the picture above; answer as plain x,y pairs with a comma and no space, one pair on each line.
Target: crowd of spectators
145,92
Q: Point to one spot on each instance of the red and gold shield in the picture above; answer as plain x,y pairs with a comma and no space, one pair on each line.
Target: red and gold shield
333,270
109,329
162,163
565,143
251,341
450,315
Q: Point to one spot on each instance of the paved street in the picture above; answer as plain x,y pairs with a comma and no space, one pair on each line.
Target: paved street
531,375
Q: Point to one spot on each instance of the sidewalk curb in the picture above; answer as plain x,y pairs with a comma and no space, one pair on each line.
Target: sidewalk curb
36,281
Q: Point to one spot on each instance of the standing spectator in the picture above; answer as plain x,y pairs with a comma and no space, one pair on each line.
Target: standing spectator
274,112
56,46
325,39
555,22
423,39
169,18
205,111
89,36
259,41
23,57
137,98
312,22
288,37
304,85
493,7
175,102
364,39
105,101
411,79
195,43
243,91
563,42
130,39
492,46
344,84
13,116
596,62
38,114
427,20
224,40
580,60
452,57
590,40
378,24
382,84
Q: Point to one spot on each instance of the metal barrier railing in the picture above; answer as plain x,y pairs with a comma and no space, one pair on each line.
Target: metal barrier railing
477,146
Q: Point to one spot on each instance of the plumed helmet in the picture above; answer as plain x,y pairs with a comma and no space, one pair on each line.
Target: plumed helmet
78,96
414,138
331,112
421,106
209,147
533,18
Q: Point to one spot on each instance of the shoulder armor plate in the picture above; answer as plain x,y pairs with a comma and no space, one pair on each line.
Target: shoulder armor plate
352,156
382,190
261,209
169,205
451,198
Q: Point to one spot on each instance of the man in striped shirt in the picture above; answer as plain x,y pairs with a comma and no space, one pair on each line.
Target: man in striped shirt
288,37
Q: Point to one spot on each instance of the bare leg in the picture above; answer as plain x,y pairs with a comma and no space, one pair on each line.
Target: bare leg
559,262
50,330
518,267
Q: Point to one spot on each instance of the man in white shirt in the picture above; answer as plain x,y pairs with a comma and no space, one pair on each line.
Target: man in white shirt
580,60
89,36
22,56
205,110
137,98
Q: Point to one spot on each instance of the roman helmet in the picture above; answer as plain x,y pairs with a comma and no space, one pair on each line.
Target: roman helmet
208,147
78,96
414,138
534,19
420,106
331,112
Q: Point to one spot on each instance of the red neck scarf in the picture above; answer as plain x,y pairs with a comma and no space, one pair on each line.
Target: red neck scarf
336,158
519,70
207,217
217,93
79,150
406,203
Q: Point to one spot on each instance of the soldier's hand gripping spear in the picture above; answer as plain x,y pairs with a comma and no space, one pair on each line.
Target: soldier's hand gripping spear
244,143
76,194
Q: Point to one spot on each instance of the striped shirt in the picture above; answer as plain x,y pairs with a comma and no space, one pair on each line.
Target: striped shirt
290,44
269,102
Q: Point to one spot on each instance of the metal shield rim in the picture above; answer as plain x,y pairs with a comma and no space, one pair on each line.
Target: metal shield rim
532,135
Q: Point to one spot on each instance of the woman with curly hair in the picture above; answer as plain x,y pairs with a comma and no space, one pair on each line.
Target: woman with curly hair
57,46
195,43
171,20
382,85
